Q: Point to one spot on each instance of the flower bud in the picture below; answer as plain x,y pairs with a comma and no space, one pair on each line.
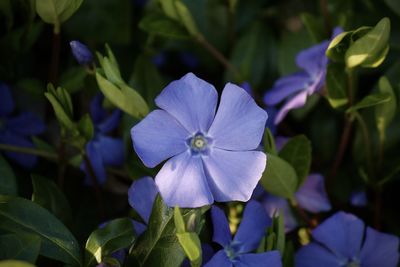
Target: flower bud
81,53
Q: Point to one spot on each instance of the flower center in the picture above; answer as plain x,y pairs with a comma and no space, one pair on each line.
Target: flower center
233,250
199,142
353,263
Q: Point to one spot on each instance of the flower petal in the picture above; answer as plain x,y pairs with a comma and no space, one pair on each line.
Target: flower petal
191,100
312,195
139,227
271,258
111,149
6,100
252,227
25,123
358,199
110,123
222,233
96,161
158,137
141,196
313,60
233,175
379,249
182,182
342,233
274,205
220,259
285,87
97,112
297,101
314,255
239,123
25,160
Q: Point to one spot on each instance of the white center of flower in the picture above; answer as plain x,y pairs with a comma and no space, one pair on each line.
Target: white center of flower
199,142
353,263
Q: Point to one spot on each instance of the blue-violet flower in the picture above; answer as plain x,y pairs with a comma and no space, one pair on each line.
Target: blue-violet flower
81,53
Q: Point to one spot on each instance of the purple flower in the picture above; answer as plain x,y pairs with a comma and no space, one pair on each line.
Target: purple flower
311,196
340,241
81,53
237,251
358,199
296,87
141,196
17,130
103,150
211,155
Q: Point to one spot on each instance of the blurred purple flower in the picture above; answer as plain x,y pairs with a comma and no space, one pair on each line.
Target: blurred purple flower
339,241
211,155
141,196
103,150
358,199
295,88
237,251
311,196
17,130
81,53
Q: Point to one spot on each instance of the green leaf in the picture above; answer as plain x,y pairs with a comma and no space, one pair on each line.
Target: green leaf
385,113
269,142
56,11
368,50
159,246
15,263
186,18
116,235
297,152
314,25
85,126
336,83
370,101
190,243
8,182
62,105
162,25
47,194
338,46
20,246
279,229
168,6
279,178
19,215
73,79
179,222
394,6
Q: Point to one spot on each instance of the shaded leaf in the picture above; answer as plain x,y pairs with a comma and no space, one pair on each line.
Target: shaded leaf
336,83
20,246
8,182
370,101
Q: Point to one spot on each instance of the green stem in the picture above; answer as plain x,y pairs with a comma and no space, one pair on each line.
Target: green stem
31,151
367,141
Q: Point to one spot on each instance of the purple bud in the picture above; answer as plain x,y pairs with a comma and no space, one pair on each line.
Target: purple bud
81,53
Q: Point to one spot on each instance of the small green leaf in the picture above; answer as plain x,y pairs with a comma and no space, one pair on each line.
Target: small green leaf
186,18
370,101
368,50
279,177
338,46
18,215
314,25
297,152
62,105
190,243
385,113
15,263
269,142
336,83
116,235
20,246
49,196
179,222
279,226
56,11
8,182
162,25
85,126
168,6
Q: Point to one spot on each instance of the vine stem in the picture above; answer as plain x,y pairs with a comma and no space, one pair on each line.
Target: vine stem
218,55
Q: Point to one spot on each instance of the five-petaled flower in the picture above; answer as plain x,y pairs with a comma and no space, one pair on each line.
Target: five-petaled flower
17,130
295,88
237,251
211,154
103,150
340,242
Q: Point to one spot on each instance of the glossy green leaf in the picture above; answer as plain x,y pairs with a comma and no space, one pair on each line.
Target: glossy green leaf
8,182
279,177
269,142
336,84
159,24
62,105
365,51
179,222
338,46
385,113
56,11
159,246
117,234
297,152
186,18
15,263
18,215
191,244
20,246
370,101
47,194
